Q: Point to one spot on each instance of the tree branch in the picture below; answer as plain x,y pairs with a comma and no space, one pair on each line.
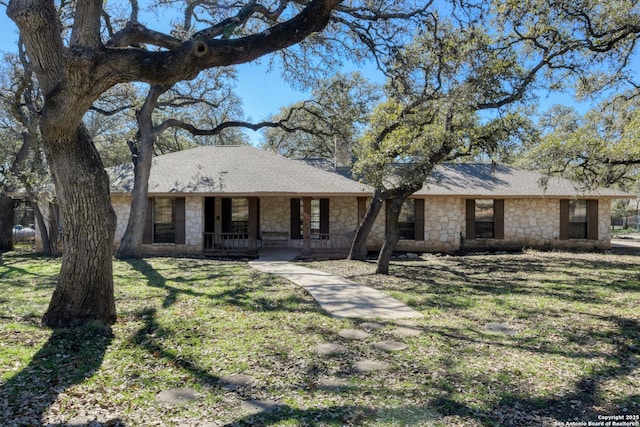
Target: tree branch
134,33
86,27
185,61
281,124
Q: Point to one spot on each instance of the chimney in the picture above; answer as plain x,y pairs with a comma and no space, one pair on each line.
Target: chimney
343,157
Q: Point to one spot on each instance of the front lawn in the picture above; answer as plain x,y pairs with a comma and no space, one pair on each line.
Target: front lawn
519,339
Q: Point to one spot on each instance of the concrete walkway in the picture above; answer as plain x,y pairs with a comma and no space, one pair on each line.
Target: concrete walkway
336,295
626,244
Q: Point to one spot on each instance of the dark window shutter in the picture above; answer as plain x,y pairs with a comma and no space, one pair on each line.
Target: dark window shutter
295,218
324,216
226,215
470,217
254,217
179,219
419,218
498,218
592,221
209,214
147,236
564,219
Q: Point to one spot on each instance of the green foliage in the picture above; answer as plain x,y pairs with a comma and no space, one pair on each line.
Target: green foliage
336,114
599,148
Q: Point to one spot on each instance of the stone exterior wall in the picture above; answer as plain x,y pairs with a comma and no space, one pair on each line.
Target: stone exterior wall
194,222
528,223
443,222
194,226
275,214
343,215
535,223
122,206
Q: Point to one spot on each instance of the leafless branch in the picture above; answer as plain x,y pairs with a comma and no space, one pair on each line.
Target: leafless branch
134,33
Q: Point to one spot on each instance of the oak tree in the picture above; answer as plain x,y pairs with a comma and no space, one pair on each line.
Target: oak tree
335,116
483,61
600,148
75,68
73,71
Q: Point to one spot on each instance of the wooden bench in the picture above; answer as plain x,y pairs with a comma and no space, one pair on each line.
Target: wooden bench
275,238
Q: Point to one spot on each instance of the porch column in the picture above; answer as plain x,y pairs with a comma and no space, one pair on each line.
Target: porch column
306,225
253,226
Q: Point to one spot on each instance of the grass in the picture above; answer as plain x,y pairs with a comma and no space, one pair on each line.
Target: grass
573,354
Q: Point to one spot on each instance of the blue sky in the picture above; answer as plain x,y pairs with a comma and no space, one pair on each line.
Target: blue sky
264,92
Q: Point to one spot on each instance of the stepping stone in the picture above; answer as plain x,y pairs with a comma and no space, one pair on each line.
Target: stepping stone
353,334
390,346
500,328
178,396
236,382
80,421
254,407
406,322
331,384
404,331
371,365
371,326
330,349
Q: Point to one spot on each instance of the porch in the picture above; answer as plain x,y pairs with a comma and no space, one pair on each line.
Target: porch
242,243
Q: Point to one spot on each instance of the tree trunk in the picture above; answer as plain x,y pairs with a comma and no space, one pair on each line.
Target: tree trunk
131,243
7,219
54,228
359,246
84,291
392,232
41,226
397,198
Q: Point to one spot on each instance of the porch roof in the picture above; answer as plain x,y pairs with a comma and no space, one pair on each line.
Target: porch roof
235,170
490,181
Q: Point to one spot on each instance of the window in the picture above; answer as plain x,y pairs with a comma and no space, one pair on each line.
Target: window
411,219
578,219
235,216
240,216
407,220
485,219
165,222
164,227
319,219
484,216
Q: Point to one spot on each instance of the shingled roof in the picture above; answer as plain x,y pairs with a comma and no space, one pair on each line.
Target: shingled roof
486,180
235,170
245,170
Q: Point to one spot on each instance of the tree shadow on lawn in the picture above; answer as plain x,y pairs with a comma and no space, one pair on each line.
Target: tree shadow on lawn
474,276
69,357
149,338
237,295
19,276
583,403
339,416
